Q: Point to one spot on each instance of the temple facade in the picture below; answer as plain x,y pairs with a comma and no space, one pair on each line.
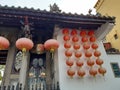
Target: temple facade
74,59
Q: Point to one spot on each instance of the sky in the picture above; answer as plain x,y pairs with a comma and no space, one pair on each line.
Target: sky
73,6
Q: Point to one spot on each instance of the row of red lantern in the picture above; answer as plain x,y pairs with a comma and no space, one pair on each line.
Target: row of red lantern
80,63
76,38
76,46
26,44
78,54
74,32
81,73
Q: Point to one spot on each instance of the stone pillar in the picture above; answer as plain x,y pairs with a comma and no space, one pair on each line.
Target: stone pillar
24,68
9,63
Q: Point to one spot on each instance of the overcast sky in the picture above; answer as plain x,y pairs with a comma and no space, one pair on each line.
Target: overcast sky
73,6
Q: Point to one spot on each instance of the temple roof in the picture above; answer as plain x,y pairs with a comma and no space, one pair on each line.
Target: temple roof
11,16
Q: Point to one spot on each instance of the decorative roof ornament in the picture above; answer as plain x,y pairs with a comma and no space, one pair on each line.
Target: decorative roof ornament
54,8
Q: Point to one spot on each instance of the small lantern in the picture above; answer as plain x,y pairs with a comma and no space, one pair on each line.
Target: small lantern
93,72
71,72
90,63
75,39
91,33
74,32
68,53
51,45
94,46
78,54
66,38
69,63
4,43
86,46
97,53
92,39
76,46
84,39
67,45
40,48
99,62
65,31
88,54
102,71
83,33
81,73
79,63
24,44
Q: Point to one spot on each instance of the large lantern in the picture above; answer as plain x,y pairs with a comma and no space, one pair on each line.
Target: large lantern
4,43
81,73
51,45
24,44
40,48
71,72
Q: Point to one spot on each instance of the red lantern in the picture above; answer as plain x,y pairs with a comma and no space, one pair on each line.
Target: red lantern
76,46
71,72
97,53
66,38
75,39
94,46
84,39
91,33
79,63
86,46
90,63
83,33
74,32
92,39
102,71
65,31
69,62
78,54
4,43
88,54
67,45
93,72
24,44
51,45
81,73
99,61
68,53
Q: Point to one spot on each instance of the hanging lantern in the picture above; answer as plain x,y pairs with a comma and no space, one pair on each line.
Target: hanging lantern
99,62
69,63
75,39
94,46
102,71
51,45
65,31
78,54
66,38
40,48
24,44
90,63
88,54
79,63
4,43
91,33
68,53
71,72
81,73
97,53
93,72
76,46
67,45
86,46
92,39
83,33
84,39
74,32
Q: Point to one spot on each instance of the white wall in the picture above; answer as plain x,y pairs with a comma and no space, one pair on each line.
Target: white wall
108,82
